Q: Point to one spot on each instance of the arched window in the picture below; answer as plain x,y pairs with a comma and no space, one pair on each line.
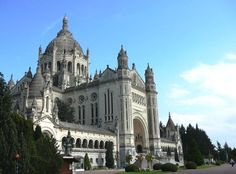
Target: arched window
78,143
85,71
78,69
70,100
58,66
45,66
101,145
96,144
90,144
69,67
82,70
85,144
106,144
49,65
47,103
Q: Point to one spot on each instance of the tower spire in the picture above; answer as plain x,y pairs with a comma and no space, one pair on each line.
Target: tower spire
65,23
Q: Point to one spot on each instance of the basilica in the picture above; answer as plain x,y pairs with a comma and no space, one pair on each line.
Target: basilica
115,105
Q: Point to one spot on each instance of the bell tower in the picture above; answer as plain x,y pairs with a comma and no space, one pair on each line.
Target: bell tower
153,120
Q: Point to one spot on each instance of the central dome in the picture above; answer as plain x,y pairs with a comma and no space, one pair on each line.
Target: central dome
64,40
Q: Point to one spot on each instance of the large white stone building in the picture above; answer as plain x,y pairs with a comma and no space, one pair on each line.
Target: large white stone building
115,105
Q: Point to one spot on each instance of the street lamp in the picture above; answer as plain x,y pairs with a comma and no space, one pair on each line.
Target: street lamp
17,157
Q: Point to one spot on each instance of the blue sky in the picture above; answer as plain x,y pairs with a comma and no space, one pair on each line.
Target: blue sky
191,46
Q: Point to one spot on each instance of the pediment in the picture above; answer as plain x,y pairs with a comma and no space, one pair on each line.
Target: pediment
46,119
108,75
136,80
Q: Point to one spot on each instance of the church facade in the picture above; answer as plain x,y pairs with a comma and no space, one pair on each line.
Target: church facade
114,105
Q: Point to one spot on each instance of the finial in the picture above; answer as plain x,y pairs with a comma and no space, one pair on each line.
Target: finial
40,49
133,66
169,115
11,77
65,23
87,52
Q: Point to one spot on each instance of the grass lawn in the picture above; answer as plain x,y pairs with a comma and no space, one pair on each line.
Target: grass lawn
205,166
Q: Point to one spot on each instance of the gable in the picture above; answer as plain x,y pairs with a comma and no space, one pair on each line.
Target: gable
136,80
108,75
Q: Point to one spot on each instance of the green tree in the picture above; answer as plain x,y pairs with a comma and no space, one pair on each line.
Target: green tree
8,132
128,158
194,153
65,111
149,159
87,165
38,154
109,155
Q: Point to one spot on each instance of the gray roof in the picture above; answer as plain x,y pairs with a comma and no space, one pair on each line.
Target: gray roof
37,84
85,128
63,41
170,123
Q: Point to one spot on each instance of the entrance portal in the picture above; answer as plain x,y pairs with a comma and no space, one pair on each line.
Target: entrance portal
139,136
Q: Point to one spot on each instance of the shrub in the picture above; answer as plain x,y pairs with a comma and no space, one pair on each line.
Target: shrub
131,168
169,167
157,166
219,162
190,165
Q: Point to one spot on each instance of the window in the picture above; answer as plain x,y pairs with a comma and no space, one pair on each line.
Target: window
83,108
69,68
79,114
58,66
47,103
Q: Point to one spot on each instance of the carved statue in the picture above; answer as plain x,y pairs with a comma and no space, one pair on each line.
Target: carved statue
68,144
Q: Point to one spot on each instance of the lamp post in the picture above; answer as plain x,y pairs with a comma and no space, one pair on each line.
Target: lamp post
17,157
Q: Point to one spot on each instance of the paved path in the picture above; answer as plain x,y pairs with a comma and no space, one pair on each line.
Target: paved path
224,169
101,171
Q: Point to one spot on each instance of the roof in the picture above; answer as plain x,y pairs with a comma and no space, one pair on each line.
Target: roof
86,128
170,123
64,40
37,84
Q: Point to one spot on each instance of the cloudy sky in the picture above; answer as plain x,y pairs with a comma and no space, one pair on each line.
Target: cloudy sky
191,46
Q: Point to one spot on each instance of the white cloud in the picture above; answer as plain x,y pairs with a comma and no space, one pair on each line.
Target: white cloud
209,100
210,92
230,56
218,79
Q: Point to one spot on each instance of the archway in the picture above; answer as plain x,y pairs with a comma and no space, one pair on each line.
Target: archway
139,135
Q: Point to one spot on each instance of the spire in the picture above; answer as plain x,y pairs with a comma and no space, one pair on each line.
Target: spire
65,23
122,59
96,76
40,50
29,73
133,66
11,82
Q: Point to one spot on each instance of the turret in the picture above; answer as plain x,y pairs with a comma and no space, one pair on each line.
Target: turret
122,59
149,80
153,119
